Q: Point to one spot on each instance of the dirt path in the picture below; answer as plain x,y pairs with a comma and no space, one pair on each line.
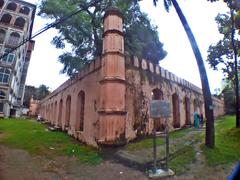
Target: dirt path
19,165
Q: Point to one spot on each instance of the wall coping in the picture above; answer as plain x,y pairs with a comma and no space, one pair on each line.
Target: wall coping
88,69
155,69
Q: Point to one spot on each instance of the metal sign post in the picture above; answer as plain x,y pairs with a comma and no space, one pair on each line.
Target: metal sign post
160,109
154,149
167,144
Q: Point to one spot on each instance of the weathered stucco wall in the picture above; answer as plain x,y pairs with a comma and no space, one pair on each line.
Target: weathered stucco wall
144,81
33,107
55,107
108,102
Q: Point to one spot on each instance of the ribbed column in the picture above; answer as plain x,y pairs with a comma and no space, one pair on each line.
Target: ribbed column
112,113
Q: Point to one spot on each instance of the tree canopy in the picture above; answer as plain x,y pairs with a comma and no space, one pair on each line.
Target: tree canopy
220,55
37,93
84,31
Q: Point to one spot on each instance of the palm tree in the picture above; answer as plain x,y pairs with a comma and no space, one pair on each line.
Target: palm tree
208,105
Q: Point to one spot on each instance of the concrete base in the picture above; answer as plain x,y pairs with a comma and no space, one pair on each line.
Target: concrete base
160,173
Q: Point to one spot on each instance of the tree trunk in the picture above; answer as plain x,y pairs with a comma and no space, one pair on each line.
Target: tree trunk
210,136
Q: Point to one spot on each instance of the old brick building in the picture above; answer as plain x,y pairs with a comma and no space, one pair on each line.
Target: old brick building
16,22
108,102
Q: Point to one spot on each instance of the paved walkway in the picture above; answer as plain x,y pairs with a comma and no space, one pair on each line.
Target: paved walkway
144,157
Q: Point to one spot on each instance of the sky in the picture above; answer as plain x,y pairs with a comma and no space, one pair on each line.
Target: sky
45,69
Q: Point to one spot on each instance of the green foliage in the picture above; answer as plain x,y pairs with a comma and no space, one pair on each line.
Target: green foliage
37,93
84,31
221,54
33,137
227,143
29,92
229,98
42,91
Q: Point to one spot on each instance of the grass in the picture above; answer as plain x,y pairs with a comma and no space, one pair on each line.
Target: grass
180,162
227,143
148,142
34,137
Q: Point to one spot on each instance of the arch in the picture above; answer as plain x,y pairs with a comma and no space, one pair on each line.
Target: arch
51,114
14,39
6,18
157,94
12,6
4,75
48,115
60,112
20,22
1,3
24,10
2,95
176,111
45,109
55,112
68,111
2,35
196,105
201,107
80,111
187,111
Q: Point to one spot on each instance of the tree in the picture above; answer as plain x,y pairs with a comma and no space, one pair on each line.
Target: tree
210,136
84,31
221,55
225,51
37,93
41,92
28,94
229,97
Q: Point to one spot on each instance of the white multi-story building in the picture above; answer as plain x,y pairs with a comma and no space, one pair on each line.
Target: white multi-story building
16,22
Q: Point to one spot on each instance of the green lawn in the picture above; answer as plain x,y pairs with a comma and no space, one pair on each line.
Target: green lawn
227,146
37,140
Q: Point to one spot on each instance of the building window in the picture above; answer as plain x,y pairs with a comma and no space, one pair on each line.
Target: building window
1,107
2,95
6,18
12,6
1,3
4,75
9,57
24,10
20,22
2,35
14,39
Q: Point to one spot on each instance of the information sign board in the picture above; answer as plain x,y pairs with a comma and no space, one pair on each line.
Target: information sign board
160,109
